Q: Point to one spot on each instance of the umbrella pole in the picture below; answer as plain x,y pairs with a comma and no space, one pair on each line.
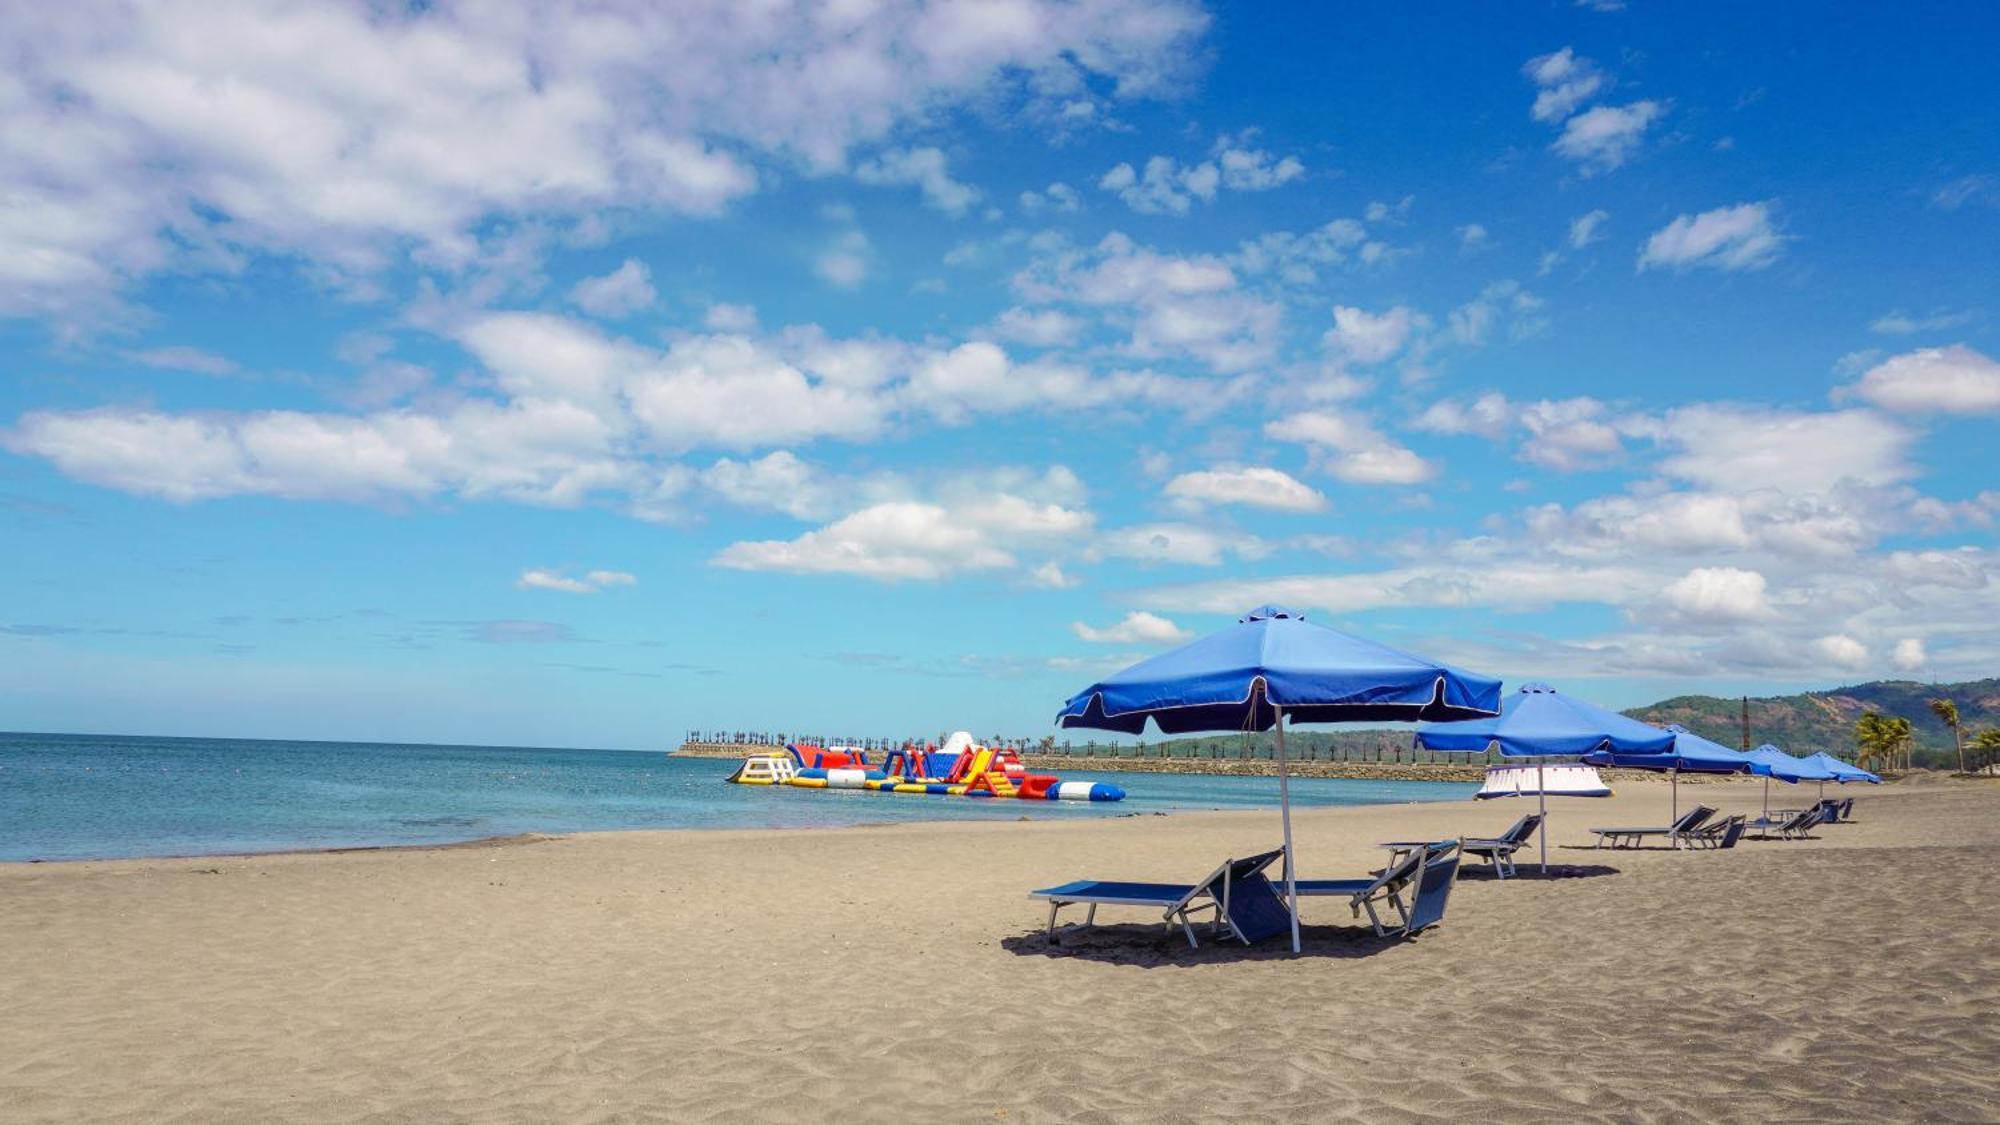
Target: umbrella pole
1767,796
1285,813
1542,805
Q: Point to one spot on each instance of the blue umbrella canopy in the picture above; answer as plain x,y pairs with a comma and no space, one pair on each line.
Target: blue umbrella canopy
1238,678
1691,753
1842,772
1540,722
1769,761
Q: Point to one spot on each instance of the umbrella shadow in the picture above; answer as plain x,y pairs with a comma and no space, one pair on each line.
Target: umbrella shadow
1146,946
1532,872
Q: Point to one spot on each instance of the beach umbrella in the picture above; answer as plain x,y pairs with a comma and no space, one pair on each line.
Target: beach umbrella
1767,761
1843,772
1270,666
1691,753
1540,722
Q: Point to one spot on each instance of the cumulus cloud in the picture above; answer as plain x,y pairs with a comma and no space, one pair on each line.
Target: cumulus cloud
1841,650
1718,595
1250,486
845,260
1137,628
621,292
1351,450
1583,230
925,168
343,133
1057,197
593,582
1564,81
1910,655
925,540
1742,237
1603,137
1164,186
1366,337
1953,380
1171,305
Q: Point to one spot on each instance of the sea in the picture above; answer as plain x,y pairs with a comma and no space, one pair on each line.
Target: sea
73,796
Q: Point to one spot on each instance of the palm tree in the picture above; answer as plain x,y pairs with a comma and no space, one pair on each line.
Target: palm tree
1947,713
1880,740
1987,745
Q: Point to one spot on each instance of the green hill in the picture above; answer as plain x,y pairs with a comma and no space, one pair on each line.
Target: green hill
1824,720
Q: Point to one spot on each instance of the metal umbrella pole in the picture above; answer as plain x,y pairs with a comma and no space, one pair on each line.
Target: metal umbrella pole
1542,807
1285,814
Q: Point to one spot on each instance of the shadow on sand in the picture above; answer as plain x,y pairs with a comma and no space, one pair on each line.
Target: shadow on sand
1150,946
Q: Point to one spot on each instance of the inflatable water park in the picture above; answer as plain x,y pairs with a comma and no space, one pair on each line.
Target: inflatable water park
961,768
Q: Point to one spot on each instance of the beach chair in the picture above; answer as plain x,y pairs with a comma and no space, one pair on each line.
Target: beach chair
1244,904
1797,826
1416,887
1719,833
1674,832
1829,810
1847,810
1499,850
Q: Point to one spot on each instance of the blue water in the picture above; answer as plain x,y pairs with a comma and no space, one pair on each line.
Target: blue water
96,797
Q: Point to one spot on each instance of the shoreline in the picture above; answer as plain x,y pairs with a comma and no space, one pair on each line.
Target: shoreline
1643,782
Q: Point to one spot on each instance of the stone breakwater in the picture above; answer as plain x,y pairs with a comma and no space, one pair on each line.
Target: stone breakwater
1078,765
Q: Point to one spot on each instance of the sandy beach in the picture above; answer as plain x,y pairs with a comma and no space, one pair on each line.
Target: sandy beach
900,973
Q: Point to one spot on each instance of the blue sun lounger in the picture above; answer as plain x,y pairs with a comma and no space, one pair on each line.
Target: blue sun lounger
1245,905
1416,886
1499,851
1675,832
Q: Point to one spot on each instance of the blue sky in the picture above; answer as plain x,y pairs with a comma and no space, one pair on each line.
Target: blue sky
579,375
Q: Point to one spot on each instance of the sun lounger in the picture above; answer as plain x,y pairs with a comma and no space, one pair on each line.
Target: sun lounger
1416,886
1797,826
1238,892
1718,833
1499,850
1847,810
1674,832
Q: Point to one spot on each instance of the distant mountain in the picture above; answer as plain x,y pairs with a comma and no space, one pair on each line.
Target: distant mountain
1824,720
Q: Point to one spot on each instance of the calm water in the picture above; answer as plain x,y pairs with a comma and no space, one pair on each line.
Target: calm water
92,797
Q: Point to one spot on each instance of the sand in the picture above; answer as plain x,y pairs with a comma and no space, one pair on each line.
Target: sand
899,973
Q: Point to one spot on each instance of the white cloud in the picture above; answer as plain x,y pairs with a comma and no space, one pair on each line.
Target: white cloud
922,540
1038,328
1366,337
779,481
180,357
1172,306
1180,543
1561,434
1050,576
1719,595
1167,187
1953,380
1472,237
1739,448
621,292
1058,196
1604,137
1841,649
345,133
1251,486
1351,450
1566,81
1583,230
1728,238
723,317
844,262
597,580
927,169
1900,323
1910,655
1138,628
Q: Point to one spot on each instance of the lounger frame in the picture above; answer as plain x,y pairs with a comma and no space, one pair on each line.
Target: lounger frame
1179,910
